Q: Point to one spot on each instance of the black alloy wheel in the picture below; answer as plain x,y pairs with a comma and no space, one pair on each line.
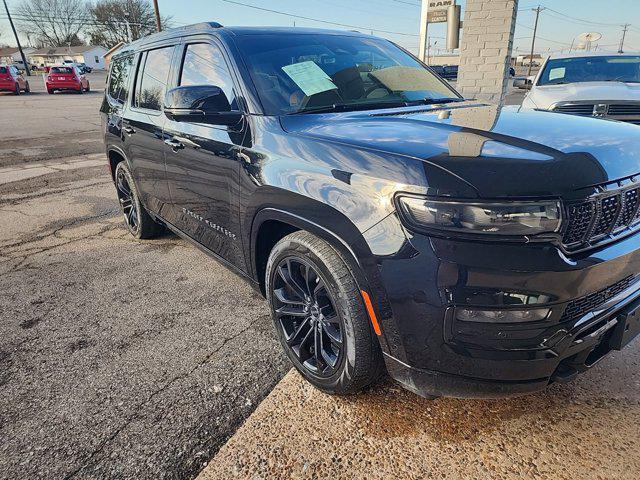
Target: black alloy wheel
319,315
308,317
127,203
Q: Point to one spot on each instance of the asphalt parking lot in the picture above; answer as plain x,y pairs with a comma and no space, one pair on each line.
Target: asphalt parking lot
140,359
118,358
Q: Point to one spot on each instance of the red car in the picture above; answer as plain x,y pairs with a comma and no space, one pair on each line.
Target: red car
12,81
66,78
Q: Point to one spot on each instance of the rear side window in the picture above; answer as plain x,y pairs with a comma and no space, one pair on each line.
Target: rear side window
204,65
152,78
3,70
61,70
119,78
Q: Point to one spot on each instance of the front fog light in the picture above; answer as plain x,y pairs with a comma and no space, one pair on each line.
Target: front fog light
501,316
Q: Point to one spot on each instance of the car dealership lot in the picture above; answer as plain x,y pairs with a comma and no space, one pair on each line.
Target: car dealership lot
121,358
118,358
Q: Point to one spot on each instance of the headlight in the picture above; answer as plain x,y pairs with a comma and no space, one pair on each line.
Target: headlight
496,218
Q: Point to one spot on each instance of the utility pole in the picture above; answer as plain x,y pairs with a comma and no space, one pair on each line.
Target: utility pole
533,40
625,27
24,59
158,24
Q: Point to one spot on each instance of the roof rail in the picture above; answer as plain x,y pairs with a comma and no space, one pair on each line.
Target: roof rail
205,25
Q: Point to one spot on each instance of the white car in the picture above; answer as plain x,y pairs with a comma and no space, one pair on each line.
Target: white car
605,85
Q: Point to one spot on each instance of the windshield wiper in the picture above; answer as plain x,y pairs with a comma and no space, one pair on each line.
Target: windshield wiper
435,101
346,107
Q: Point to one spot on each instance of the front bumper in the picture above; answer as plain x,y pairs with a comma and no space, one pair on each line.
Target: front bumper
431,353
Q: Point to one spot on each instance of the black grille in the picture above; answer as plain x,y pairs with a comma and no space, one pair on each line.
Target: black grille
607,215
629,210
602,217
624,109
579,222
576,109
581,306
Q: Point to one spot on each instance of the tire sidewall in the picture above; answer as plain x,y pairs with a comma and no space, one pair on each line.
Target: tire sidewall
346,365
123,169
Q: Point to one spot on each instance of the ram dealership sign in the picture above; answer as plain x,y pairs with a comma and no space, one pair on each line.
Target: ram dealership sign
437,12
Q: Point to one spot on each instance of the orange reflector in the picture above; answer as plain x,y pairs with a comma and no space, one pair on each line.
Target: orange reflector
372,314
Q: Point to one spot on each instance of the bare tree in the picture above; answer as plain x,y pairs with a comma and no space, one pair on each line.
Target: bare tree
54,23
115,20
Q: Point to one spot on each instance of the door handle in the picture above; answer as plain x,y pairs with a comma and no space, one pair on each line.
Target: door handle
174,144
128,130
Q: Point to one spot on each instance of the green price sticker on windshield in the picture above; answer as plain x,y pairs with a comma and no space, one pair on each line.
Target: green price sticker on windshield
309,77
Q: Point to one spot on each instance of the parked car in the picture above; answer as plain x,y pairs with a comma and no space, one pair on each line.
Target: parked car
84,68
66,78
601,85
470,249
19,64
11,80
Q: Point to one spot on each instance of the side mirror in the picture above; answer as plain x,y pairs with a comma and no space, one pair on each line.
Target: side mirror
200,104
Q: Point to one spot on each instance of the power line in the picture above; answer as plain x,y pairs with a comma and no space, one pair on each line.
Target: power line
576,19
539,37
327,22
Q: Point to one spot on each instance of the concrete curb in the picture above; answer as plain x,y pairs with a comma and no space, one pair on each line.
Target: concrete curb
298,432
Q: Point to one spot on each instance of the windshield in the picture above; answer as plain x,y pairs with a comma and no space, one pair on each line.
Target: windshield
591,69
61,70
309,72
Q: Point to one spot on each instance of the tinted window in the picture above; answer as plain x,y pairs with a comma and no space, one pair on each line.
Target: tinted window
205,65
3,70
297,72
591,69
152,80
119,78
61,70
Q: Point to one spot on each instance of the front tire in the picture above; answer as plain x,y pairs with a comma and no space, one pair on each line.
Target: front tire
27,88
319,315
137,220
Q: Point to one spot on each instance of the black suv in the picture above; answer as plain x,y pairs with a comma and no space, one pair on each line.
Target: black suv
469,249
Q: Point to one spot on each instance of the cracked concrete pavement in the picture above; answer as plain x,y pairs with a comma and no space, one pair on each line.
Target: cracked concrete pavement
118,358
588,429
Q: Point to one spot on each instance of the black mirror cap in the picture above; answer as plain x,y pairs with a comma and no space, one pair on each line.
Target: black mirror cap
200,104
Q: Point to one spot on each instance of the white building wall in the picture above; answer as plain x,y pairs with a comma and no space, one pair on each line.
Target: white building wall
94,58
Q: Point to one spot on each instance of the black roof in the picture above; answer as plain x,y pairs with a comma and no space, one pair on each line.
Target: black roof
204,27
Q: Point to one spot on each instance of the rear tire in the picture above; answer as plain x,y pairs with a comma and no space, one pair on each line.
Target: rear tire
17,90
27,88
88,89
138,221
316,306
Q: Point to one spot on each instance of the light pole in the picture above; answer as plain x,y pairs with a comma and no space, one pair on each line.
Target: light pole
158,23
24,59
625,27
533,40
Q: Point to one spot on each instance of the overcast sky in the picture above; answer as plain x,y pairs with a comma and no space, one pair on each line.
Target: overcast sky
556,29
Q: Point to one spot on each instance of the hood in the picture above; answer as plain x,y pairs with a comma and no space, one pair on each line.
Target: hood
545,96
502,152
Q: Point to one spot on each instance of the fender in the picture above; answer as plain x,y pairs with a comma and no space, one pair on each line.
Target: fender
346,239
119,151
